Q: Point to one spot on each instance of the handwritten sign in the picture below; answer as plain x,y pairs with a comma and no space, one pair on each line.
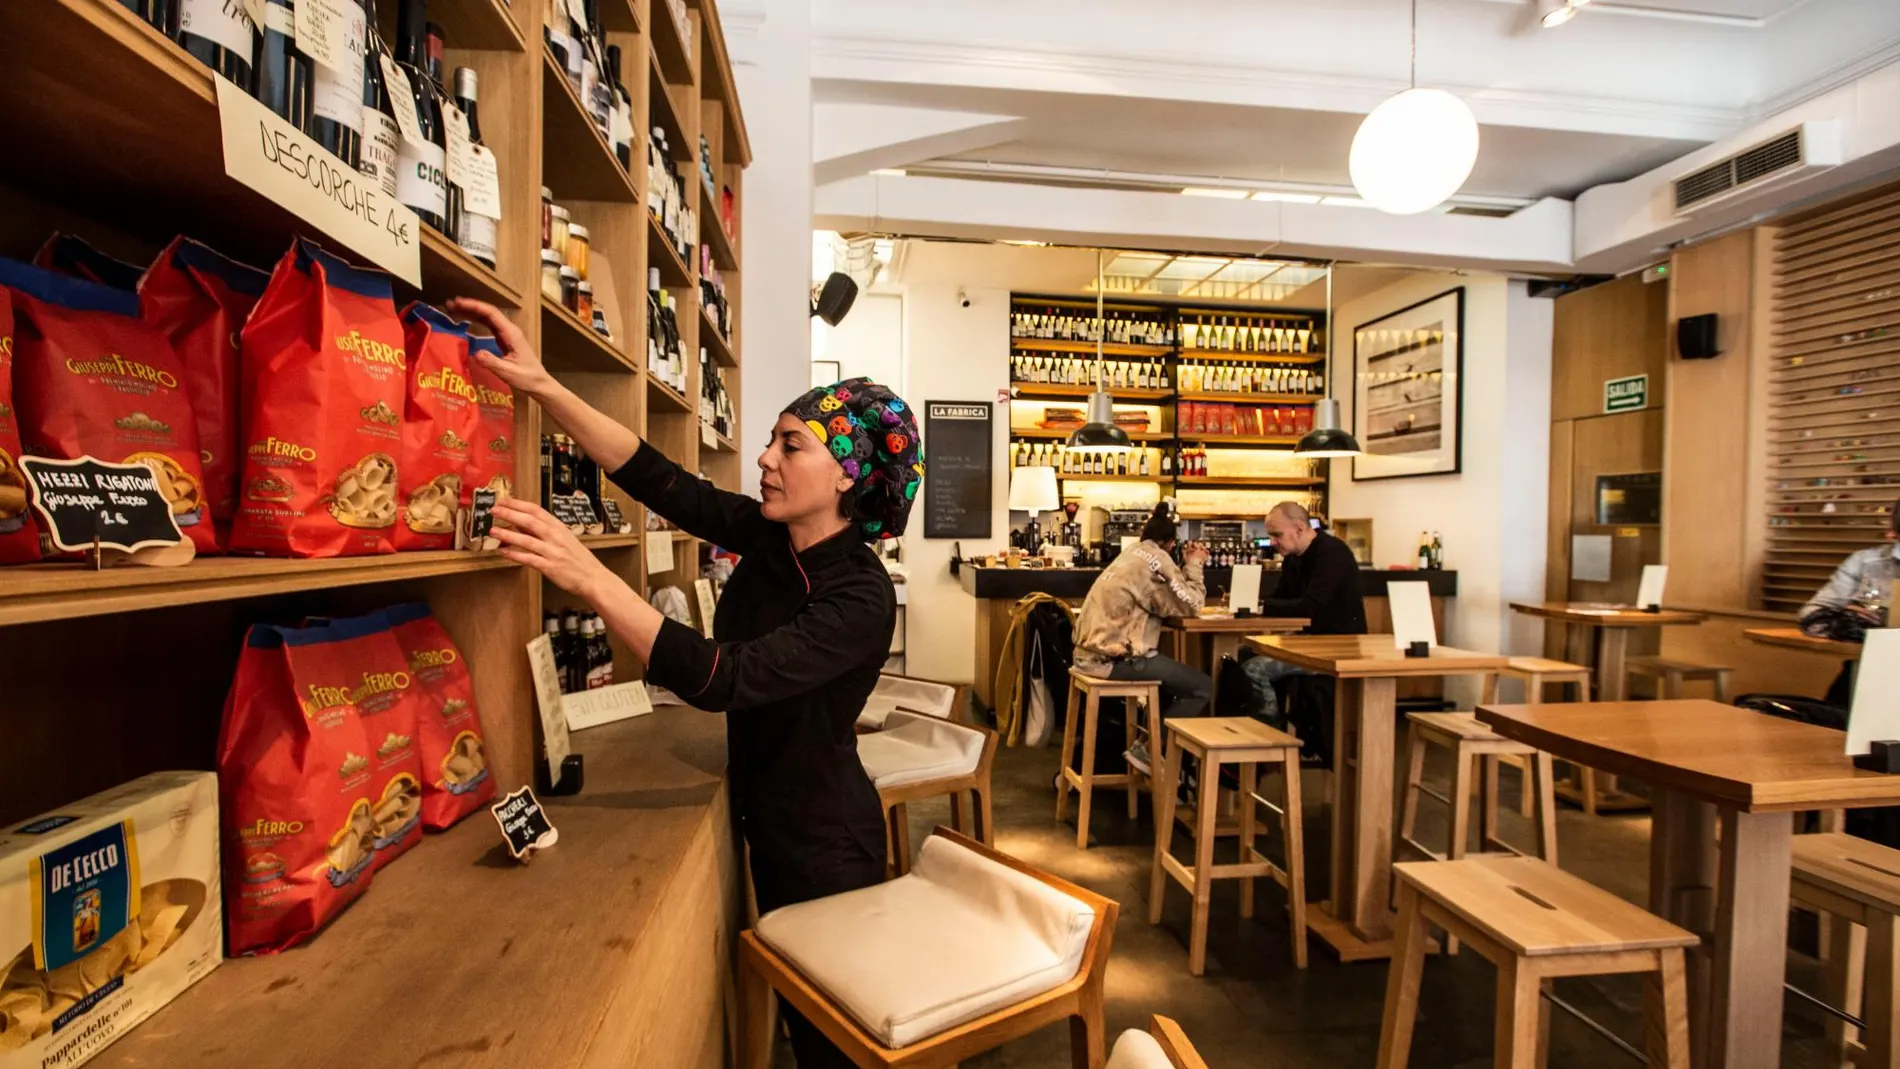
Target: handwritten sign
524,824
279,161
659,552
707,436
547,692
481,188
457,161
616,521
592,708
324,32
707,605
402,100
477,521
574,511
87,503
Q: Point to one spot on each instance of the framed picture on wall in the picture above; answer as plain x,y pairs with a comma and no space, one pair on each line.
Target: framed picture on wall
1407,407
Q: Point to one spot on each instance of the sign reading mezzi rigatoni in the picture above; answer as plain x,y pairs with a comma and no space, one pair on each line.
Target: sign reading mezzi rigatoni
269,155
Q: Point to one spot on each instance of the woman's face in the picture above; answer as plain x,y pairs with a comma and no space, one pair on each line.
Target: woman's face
798,477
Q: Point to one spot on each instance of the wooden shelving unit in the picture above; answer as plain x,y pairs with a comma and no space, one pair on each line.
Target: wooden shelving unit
1047,435
1220,356
1225,398
1059,345
1065,391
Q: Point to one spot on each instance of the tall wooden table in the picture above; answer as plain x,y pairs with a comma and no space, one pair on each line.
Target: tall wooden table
1357,921
1796,639
1201,641
1708,761
1611,625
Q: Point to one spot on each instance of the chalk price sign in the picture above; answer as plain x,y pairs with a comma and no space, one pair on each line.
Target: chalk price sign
88,503
524,824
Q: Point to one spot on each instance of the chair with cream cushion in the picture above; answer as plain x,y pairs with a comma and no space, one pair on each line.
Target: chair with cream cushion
1008,950
945,701
919,756
1163,1046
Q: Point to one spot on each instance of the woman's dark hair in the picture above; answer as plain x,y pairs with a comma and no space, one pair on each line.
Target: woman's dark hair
1160,527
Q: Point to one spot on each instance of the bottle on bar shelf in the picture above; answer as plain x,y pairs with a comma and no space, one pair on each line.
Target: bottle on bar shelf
219,35
620,128
282,73
422,180
336,93
478,235
380,156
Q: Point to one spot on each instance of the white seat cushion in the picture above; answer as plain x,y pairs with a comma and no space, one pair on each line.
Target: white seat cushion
1138,1050
899,692
913,748
992,937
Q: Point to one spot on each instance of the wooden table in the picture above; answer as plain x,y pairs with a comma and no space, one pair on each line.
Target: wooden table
1706,760
1357,921
1201,641
1612,624
1796,639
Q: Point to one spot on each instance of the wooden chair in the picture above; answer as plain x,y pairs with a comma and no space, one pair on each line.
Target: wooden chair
1671,675
1084,715
900,760
1854,885
1537,673
1246,743
1078,1000
946,701
1162,1046
1535,923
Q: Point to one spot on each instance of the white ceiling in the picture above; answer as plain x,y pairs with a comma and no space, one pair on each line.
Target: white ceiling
1748,9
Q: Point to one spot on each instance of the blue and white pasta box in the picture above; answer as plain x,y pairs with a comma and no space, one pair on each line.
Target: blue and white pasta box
109,908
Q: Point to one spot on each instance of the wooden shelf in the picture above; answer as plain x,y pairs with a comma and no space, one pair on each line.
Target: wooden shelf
38,592
661,254
720,242
1253,398
1038,432
577,162
715,69
662,396
1219,355
1261,481
1036,390
721,443
1111,478
484,24
619,16
1057,345
663,114
611,541
567,344
715,342
449,271
1241,439
669,45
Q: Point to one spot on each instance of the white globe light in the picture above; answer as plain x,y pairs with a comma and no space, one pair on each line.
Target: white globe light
1414,151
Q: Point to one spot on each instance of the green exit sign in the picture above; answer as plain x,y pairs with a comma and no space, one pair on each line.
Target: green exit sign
1627,394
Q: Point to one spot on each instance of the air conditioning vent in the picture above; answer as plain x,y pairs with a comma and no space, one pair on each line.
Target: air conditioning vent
1760,167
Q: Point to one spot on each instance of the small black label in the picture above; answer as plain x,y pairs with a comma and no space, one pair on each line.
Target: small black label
523,822
87,502
481,516
44,825
615,521
573,510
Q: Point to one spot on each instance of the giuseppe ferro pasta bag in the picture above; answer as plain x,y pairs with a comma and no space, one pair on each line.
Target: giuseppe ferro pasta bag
439,422
455,776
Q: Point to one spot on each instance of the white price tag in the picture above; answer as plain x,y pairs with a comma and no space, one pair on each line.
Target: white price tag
456,124
402,100
481,195
254,9
577,10
323,31
707,436
547,692
592,708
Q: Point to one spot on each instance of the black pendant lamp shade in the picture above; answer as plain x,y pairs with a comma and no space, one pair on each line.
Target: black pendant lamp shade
1326,439
1100,434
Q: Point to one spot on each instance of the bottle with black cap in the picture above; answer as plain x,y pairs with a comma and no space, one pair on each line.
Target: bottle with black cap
381,153
436,42
621,132
421,181
336,93
477,233
283,73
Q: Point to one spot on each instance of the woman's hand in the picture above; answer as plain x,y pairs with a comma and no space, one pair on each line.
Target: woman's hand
519,366
1194,552
545,544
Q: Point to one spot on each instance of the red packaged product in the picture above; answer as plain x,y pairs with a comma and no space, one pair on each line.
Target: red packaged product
200,299
91,379
66,254
455,776
318,779
1227,419
320,410
1276,421
1191,417
440,422
19,536
492,460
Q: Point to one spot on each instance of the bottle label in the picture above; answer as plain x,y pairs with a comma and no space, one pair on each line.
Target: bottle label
420,180
222,22
478,236
327,29
482,195
337,92
621,129
280,19
382,150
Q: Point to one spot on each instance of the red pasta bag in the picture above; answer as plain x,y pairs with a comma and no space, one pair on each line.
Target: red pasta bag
19,536
455,776
199,299
91,379
440,422
492,463
67,254
317,776
320,412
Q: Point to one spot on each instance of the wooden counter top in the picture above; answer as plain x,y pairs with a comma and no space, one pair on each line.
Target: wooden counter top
595,954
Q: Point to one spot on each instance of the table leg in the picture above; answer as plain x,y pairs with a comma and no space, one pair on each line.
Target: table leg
1683,869
1750,943
1363,895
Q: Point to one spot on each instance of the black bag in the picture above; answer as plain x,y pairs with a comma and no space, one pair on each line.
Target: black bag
1234,694
1309,711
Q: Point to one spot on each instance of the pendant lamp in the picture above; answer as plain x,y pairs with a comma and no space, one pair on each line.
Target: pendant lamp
1416,148
1328,439
1099,434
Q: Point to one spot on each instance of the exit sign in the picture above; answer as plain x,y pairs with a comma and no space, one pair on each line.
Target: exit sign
1628,394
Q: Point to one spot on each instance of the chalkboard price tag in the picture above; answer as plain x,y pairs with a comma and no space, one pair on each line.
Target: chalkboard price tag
616,521
524,824
478,522
87,504
573,510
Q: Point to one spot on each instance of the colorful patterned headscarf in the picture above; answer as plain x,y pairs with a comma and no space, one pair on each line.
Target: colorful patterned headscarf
872,434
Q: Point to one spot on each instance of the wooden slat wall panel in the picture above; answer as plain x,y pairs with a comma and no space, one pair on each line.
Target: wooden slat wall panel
1834,392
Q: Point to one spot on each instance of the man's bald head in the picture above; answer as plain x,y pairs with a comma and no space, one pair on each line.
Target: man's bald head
1291,528
1292,512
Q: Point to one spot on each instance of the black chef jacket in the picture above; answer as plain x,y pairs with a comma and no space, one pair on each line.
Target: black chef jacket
798,641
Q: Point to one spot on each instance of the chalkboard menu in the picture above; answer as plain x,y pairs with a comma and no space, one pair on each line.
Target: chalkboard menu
958,469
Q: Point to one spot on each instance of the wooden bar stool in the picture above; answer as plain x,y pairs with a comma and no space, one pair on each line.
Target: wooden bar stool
1855,885
1671,675
1535,923
1246,743
1085,701
1536,673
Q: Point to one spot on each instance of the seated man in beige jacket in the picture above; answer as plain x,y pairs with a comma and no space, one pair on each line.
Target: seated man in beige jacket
1120,627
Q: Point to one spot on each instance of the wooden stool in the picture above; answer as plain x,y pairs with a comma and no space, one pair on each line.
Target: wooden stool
1537,673
1085,701
1673,674
1163,1046
1855,885
1534,923
1247,743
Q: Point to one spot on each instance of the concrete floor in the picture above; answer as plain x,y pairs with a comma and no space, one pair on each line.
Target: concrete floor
1252,1008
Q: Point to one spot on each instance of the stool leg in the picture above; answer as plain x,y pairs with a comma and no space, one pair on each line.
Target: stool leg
1488,830
1249,780
1587,785
1520,1016
1672,685
1088,1044
1130,722
1414,775
900,834
1091,722
1460,817
1068,749
1157,742
1666,1022
956,813
1401,986
758,1020
1206,813
1544,781
1490,692
1293,830
1170,777
988,826
1721,686
1881,1006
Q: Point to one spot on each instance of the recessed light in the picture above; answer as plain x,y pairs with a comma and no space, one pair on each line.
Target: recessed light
889,172
1288,198
1346,202
1225,194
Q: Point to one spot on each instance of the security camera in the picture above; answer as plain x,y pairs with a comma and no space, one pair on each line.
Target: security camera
962,297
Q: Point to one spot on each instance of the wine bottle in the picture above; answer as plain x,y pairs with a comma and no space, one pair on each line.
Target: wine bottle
434,42
421,181
477,234
282,73
219,35
621,134
381,154
336,94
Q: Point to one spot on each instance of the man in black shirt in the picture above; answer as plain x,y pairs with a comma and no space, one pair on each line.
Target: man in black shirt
1319,579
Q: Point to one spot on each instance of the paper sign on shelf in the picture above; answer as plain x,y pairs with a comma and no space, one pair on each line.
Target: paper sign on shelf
323,31
577,10
547,692
481,193
1650,590
592,708
1245,593
456,162
288,167
707,605
1412,614
707,436
1875,714
402,101
254,10
659,552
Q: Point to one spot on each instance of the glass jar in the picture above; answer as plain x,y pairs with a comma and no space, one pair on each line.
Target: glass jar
584,301
570,288
558,222
550,274
577,248
547,217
